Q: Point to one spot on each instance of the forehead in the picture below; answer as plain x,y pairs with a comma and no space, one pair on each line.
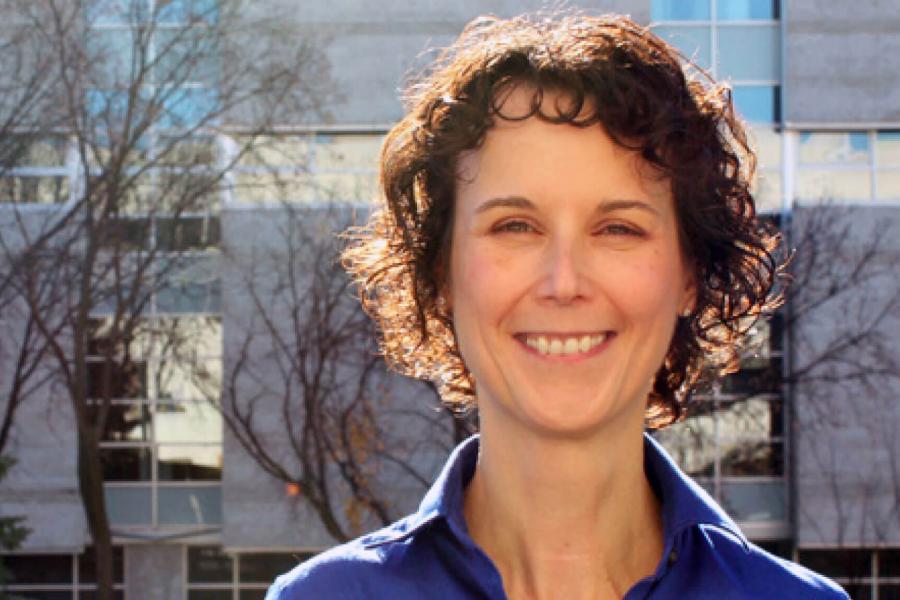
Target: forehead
540,159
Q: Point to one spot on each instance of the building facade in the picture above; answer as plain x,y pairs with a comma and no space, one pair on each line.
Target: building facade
799,446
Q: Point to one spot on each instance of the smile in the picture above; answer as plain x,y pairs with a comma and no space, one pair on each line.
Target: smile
563,344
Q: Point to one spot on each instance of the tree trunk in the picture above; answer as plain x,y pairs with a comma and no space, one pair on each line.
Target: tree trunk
90,480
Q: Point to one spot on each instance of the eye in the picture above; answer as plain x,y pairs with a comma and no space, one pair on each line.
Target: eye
620,229
514,226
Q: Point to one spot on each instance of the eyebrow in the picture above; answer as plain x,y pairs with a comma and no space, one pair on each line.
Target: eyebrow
604,207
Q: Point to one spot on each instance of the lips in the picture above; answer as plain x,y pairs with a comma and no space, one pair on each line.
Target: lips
550,344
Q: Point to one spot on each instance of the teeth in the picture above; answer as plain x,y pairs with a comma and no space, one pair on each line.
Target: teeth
564,346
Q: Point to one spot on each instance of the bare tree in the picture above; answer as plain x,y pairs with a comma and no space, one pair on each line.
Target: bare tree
307,395
844,312
144,93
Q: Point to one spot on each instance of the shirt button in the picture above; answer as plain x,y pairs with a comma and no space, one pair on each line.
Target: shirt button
673,556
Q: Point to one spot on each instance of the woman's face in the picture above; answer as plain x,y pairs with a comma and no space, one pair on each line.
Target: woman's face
566,275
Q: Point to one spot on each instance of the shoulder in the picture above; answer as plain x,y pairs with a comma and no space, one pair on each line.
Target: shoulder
345,572
760,574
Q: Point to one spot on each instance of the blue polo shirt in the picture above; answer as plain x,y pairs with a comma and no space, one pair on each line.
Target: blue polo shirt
429,554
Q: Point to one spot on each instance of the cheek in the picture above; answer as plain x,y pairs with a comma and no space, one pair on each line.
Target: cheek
648,288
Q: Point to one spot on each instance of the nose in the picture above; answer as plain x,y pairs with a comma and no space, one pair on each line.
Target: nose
563,281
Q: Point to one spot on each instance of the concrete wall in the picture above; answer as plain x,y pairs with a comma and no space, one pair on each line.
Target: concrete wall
43,485
374,47
847,411
260,246
842,62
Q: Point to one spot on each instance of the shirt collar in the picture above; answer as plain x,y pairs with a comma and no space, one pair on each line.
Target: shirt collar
684,502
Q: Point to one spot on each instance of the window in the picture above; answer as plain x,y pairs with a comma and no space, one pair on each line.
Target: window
214,575
162,448
848,167
734,39
732,441
309,168
864,573
58,576
35,170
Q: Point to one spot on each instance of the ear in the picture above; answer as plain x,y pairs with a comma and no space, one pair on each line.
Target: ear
688,301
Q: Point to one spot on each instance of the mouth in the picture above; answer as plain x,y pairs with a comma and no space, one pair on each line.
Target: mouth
565,345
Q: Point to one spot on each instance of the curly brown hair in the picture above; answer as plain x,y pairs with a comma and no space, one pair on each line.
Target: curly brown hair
650,99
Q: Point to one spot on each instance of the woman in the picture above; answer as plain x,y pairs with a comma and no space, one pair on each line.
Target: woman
568,243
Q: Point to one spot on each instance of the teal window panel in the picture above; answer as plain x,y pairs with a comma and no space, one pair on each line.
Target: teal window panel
693,41
190,505
129,505
115,12
189,11
680,10
749,52
747,10
757,103
187,108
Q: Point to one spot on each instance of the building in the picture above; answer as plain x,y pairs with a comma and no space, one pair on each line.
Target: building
799,446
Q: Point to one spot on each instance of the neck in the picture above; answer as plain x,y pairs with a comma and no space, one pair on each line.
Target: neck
551,511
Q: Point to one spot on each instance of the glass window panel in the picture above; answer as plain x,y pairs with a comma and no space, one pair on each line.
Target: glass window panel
859,591
33,189
888,591
33,151
767,192
755,500
186,55
188,11
265,567
826,185
680,10
190,463
888,186
126,234
764,378
752,418
887,144
335,152
768,147
209,595
42,595
126,422
852,564
87,566
92,595
112,52
181,191
197,421
208,564
190,506
749,52
125,464
835,148
187,151
751,459
693,42
115,12
187,108
187,233
113,379
745,10
275,151
344,187
272,187
889,563
129,505
252,594
39,568
192,285
694,452
757,103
